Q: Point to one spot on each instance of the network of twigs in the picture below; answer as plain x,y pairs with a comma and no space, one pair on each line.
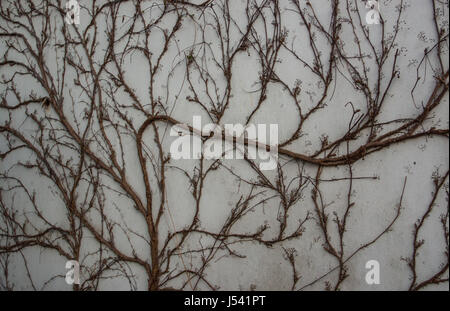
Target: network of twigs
83,125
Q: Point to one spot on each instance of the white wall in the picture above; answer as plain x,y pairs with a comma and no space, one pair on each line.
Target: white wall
263,268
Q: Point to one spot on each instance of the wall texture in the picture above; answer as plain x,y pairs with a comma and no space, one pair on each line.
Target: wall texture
358,89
